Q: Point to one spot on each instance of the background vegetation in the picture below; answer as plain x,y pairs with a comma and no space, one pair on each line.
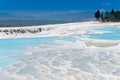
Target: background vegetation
112,16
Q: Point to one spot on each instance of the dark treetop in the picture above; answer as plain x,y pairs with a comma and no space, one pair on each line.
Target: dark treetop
111,16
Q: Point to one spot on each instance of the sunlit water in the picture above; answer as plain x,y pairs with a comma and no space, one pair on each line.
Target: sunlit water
9,48
114,34
14,47
59,58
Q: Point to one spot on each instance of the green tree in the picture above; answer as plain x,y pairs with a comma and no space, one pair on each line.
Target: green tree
111,16
106,16
113,12
102,16
117,16
97,15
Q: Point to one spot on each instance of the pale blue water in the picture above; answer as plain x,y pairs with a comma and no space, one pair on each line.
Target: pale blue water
114,34
12,47
106,36
112,29
9,48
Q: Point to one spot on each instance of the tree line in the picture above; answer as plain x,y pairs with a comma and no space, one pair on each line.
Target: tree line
112,16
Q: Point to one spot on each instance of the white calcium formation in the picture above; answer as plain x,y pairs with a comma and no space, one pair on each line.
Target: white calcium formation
84,59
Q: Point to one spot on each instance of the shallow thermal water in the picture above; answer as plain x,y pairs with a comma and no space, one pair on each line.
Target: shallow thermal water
59,58
114,34
14,47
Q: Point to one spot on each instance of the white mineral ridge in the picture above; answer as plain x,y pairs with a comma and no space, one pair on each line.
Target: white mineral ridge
85,59
59,29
